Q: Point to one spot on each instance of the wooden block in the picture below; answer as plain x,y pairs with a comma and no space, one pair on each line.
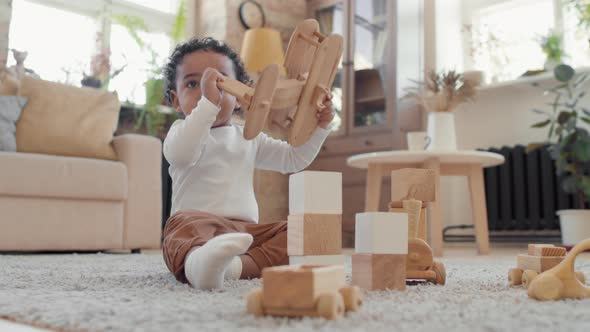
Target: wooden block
315,192
413,207
314,234
536,263
317,260
297,287
421,222
547,250
379,271
381,233
413,183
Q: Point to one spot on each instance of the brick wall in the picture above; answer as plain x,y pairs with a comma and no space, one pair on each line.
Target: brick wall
220,19
5,12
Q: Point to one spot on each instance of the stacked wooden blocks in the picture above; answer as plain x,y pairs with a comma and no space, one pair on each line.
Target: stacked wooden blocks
379,261
314,235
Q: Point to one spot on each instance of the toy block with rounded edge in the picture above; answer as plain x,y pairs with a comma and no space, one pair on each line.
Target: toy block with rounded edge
304,290
315,192
379,271
381,233
413,183
314,234
561,282
546,250
317,260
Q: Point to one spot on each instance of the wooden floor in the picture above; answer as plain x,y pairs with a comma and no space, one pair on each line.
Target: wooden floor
454,250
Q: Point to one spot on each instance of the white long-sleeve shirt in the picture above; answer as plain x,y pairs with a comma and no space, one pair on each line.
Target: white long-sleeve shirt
212,169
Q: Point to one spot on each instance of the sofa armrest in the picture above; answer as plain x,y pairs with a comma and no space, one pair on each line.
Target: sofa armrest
142,155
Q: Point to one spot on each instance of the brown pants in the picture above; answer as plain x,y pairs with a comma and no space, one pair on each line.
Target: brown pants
190,228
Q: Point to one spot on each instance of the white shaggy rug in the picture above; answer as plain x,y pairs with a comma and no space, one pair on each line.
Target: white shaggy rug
117,292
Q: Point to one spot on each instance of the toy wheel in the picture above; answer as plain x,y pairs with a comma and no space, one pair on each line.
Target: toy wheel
581,277
546,287
515,277
330,305
254,303
353,298
528,276
441,273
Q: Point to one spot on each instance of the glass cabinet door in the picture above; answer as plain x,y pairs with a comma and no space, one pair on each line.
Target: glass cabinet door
330,16
370,29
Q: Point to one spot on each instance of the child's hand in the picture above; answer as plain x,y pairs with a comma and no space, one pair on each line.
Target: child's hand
325,115
209,87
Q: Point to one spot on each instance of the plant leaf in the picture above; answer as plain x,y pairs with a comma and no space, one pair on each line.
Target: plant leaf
541,124
587,120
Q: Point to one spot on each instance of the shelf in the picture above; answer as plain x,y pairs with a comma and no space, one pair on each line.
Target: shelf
534,80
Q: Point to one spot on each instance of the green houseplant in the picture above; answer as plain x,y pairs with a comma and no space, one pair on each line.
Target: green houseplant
569,147
154,117
552,46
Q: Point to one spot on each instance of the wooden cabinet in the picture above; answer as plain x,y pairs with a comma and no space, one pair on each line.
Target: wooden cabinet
366,89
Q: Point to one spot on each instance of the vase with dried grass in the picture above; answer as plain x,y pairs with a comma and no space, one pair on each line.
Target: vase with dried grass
440,94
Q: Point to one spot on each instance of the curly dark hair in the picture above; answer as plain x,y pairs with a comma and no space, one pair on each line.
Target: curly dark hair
203,44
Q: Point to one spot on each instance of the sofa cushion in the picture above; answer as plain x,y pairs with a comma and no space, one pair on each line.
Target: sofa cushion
66,120
38,175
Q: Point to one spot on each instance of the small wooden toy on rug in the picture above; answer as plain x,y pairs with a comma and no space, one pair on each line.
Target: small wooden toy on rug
381,247
311,63
561,282
539,258
411,190
304,290
314,226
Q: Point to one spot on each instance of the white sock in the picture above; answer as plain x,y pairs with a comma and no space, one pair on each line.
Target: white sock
205,266
234,269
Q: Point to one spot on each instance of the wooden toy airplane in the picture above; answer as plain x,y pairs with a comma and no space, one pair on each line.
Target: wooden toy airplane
311,63
561,282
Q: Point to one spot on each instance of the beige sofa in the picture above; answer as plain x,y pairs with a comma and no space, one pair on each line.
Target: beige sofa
59,203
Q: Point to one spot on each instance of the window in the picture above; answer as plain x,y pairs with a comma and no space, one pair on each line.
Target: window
63,48
502,45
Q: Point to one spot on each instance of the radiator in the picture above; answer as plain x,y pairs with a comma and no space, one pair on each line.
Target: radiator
524,193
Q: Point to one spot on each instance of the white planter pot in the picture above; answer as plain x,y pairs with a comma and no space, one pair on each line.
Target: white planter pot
575,226
440,130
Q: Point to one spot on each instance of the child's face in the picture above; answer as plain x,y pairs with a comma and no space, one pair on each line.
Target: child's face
188,83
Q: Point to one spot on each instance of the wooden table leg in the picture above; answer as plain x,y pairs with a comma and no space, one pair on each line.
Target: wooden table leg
435,213
478,206
373,194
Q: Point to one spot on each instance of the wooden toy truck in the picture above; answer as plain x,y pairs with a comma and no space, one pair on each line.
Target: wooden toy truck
411,190
539,258
304,290
311,63
561,282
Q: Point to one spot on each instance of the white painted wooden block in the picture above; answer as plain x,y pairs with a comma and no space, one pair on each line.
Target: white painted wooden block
381,233
317,260
315,192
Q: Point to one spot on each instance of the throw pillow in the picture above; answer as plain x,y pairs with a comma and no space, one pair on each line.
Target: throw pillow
66,120
10,110
8,84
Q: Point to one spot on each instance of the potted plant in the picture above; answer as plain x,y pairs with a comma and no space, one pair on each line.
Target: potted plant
552,46
440,94
153,117
569,147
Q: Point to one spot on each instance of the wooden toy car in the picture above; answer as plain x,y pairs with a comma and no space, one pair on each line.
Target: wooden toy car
540,258
304,290
561,282
420,263
311,63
